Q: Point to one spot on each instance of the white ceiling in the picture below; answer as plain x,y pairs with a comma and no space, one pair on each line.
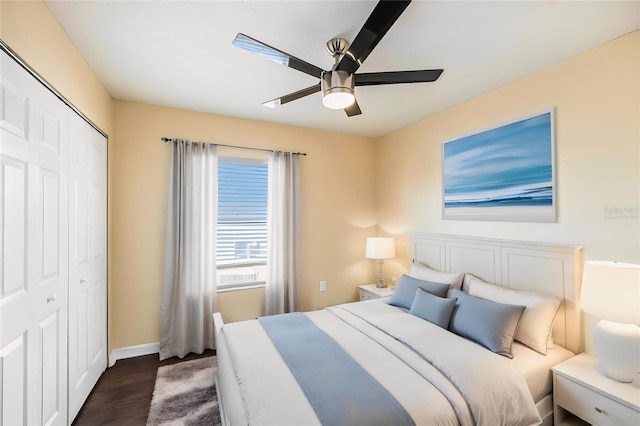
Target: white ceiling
179,54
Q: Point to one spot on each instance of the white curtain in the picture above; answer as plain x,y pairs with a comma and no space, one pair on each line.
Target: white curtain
281,294
190,256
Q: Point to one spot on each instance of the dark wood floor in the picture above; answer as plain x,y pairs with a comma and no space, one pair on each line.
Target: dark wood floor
123,394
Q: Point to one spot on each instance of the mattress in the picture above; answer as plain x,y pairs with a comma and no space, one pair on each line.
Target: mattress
391,346
536,368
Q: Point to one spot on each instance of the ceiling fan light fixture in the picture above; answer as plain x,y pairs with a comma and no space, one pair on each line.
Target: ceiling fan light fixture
337,85
337,89
338,99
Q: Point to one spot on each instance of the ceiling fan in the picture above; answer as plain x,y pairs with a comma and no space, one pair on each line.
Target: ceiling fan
337,85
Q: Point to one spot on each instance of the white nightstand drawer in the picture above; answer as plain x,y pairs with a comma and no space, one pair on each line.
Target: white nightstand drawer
370,291
592,406
365,295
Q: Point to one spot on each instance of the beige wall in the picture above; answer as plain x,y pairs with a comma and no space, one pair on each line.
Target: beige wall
32,32
337,211
597,101
596,96
338,200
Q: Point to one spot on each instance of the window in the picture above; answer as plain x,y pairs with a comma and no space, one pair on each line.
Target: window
241,245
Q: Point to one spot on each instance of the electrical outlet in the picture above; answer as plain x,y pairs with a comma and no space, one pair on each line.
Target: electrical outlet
394,279
323,286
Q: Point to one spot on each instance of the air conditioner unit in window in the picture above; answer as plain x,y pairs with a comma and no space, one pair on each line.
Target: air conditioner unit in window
241,275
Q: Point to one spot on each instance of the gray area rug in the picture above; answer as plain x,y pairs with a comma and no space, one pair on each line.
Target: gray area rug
185,394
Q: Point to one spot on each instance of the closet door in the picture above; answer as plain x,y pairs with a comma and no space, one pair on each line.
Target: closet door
87,260
34,251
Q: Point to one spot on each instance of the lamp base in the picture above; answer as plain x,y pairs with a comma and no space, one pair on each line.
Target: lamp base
618,349
381,283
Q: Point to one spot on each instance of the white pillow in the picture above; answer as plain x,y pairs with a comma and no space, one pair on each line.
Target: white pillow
537,320
421,272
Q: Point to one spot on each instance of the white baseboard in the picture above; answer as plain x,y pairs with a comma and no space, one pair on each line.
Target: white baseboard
133,351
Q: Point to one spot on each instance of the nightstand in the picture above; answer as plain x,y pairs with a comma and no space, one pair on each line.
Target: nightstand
582,394
370,291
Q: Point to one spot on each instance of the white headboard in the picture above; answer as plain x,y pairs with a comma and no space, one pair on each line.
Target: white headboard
553,269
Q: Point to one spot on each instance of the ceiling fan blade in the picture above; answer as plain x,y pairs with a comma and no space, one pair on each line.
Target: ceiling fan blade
396,77
292,96
259,48
353,109
384,15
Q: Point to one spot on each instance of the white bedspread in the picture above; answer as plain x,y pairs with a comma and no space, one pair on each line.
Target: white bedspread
438,377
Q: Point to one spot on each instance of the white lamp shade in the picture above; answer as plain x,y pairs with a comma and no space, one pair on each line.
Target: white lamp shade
611,291
380,248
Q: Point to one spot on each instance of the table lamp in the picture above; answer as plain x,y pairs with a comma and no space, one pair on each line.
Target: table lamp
611,292
380,248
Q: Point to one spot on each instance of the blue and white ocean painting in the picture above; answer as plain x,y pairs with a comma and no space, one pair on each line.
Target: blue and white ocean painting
503,171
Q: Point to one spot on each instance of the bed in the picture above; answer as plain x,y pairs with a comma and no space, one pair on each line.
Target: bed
402,360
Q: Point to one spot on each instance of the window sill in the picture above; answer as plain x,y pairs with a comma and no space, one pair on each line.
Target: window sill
240,287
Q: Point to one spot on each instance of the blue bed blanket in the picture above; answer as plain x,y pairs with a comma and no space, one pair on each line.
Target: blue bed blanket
340,391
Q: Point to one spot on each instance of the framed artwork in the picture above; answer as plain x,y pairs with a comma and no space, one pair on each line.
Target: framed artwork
502,174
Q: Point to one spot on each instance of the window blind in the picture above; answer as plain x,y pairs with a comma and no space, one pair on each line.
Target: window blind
242,211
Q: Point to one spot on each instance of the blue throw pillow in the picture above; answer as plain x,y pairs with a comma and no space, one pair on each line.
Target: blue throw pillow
406,291
434,309
491,324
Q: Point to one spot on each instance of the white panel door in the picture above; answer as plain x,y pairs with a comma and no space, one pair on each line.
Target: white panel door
51,263
34,250
87,260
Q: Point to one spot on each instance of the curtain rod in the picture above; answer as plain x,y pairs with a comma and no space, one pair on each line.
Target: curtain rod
165,139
